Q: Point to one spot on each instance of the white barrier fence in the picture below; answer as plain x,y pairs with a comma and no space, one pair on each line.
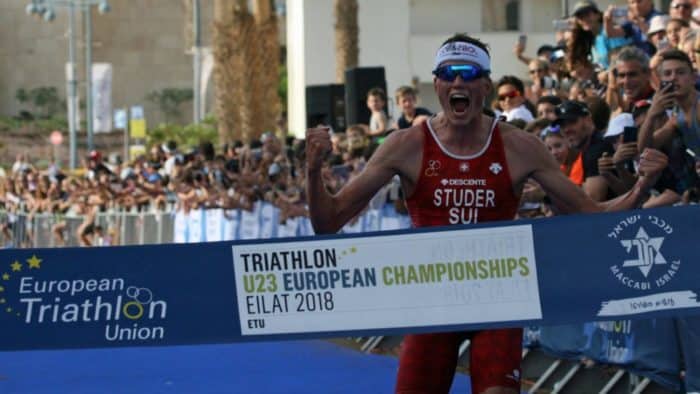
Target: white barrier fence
263,221
200,225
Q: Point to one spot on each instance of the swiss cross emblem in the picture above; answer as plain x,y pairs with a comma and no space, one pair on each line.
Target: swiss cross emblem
464,167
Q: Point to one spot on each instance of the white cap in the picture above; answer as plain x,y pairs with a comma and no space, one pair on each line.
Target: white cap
658,23
274,169
617,124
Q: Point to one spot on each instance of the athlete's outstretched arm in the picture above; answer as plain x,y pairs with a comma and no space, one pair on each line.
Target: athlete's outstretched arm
569,198
328,212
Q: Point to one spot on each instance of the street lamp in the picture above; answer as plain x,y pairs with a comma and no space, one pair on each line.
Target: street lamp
45,9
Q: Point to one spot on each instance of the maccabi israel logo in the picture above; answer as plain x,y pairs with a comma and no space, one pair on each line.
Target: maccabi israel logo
642,238
123,312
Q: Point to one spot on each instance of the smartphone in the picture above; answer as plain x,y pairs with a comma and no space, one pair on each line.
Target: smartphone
619,13
629,134
561,24
662,86
522,40
548,82
663,44
667,83
341,170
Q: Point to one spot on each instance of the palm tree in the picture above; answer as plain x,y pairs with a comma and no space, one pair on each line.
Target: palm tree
224,75
246,56
267,63
346,37
188,35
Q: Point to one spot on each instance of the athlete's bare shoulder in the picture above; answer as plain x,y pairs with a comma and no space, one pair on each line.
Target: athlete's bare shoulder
403,144
525,151
401,152
518,140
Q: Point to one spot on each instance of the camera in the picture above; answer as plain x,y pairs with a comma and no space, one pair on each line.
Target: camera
549,83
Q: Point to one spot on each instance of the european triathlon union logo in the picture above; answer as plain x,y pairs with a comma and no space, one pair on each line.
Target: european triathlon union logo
15,269
41,299
647,249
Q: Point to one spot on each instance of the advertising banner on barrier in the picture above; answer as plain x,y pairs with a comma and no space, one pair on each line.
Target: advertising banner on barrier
567,340
646,347
689,335
563,270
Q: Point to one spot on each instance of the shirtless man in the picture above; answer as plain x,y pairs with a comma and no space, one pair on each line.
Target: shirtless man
459,142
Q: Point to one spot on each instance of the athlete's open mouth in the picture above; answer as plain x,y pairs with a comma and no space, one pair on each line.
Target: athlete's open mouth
459,103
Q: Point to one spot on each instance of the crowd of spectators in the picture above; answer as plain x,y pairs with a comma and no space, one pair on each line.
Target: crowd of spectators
614,82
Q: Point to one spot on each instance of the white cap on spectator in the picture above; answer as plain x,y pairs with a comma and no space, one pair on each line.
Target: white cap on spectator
617,124
658,23
274,169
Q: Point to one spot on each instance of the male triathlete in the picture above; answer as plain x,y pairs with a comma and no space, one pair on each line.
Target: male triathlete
459,143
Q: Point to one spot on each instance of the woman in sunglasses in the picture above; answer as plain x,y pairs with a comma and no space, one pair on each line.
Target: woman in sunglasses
459,167
511,99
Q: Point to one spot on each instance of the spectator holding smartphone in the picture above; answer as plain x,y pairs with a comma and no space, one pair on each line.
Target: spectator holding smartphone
672,122
618,168
631,23
542,83
589,36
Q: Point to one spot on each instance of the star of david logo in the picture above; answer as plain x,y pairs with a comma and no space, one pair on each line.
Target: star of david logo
648,251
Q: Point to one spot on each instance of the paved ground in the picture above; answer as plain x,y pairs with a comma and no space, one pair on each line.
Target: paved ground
306,367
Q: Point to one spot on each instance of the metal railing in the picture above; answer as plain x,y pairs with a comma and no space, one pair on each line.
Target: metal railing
119,228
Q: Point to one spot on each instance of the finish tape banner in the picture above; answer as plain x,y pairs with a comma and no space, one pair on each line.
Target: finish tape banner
572,269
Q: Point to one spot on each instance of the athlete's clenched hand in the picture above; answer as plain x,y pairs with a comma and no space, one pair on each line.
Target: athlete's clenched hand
651,163
318,146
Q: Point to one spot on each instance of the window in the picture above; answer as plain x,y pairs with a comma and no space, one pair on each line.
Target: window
500,15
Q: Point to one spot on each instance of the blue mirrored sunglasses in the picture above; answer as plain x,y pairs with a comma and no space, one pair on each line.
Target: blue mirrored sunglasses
467,72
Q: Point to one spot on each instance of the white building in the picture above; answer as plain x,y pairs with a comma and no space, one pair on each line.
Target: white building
403,36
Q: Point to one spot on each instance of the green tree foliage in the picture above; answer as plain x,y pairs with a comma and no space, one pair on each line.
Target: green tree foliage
169,101
44,100
186,136
282,87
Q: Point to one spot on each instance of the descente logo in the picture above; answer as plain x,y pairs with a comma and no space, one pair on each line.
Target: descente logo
642,238
123,312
